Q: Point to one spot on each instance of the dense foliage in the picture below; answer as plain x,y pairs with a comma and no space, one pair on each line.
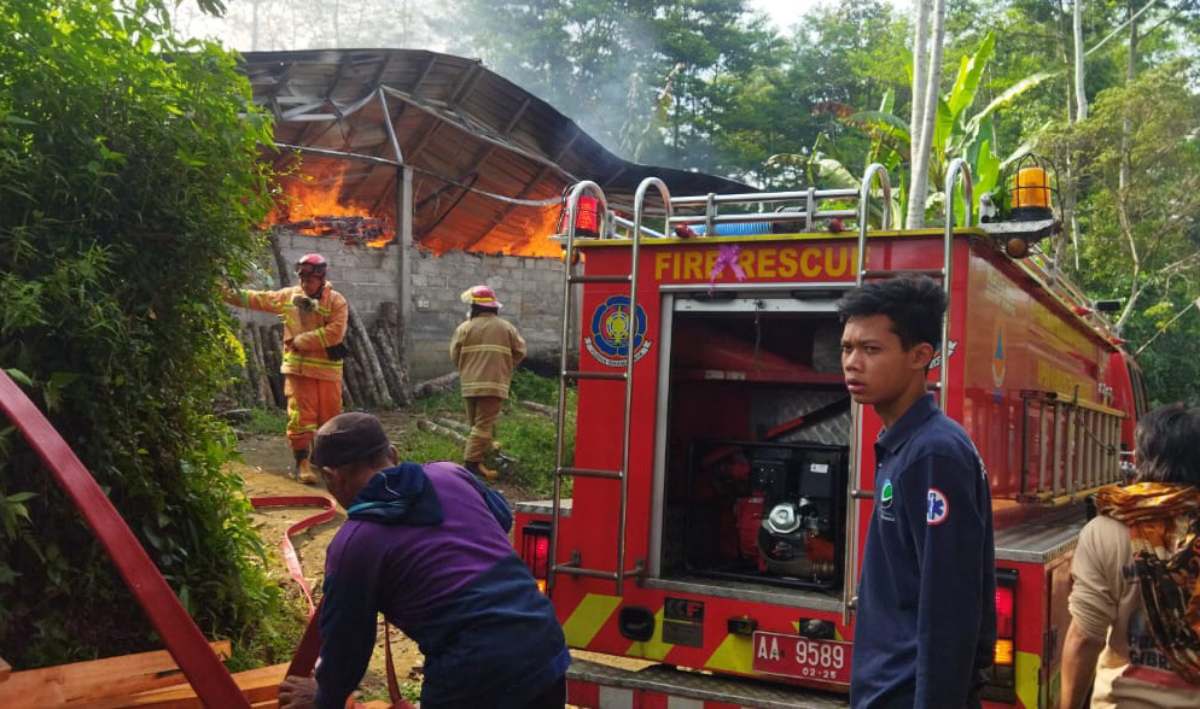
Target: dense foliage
704,84
130,182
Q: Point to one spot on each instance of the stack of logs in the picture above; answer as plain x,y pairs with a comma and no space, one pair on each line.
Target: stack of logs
374,375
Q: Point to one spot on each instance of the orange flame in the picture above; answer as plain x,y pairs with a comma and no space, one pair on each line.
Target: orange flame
539,223
536,223
316,194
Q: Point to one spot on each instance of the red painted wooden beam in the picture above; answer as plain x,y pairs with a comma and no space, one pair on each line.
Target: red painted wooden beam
212,682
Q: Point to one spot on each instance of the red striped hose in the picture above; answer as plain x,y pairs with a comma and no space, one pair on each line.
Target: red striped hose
285,544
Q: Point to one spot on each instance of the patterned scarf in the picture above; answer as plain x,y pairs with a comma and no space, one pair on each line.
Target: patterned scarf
1164,528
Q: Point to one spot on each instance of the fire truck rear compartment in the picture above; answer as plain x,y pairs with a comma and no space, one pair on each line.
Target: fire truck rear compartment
757,448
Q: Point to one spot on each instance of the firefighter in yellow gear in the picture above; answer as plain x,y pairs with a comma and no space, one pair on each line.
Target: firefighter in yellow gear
314,319
485,349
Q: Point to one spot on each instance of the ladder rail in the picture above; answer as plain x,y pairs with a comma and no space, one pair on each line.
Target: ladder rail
853,489
559,438
639,201
958,168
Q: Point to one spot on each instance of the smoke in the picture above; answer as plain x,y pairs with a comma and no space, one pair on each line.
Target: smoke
275,25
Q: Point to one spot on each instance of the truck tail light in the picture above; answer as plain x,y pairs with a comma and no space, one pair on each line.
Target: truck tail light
535,551
1004,625
1002,681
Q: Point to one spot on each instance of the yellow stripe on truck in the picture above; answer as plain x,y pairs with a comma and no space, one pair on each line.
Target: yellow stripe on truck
1029,666
588,617
734,654
654,648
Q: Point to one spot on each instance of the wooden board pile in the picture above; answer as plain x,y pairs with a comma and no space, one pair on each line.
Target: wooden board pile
145,680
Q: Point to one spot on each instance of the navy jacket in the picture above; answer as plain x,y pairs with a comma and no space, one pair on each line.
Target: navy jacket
428,547
926,622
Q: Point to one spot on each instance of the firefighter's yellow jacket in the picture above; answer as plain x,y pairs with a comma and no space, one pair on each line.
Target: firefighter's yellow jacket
306,332
486,349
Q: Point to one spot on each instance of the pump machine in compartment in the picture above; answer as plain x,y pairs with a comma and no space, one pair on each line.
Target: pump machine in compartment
766,512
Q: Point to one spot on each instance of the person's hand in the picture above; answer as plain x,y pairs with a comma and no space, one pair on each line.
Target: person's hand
304,303
298,692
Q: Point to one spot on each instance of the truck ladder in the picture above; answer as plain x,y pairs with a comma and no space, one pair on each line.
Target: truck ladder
856,494
574,566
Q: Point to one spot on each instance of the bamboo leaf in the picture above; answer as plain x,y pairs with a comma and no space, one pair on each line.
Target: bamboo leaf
19,377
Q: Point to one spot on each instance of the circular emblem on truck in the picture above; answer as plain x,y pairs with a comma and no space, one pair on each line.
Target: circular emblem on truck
614,329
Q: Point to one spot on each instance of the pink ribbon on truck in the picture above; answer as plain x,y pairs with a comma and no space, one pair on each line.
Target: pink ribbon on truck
727,257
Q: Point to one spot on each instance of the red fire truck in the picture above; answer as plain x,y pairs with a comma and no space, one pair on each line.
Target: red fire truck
720,487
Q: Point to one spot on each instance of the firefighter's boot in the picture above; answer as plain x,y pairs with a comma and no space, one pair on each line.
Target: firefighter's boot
302,471
482,471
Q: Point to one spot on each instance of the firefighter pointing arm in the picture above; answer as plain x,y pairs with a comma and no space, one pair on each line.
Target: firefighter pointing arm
314,326
485,349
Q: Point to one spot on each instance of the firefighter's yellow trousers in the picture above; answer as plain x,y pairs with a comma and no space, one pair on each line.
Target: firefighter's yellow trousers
482,413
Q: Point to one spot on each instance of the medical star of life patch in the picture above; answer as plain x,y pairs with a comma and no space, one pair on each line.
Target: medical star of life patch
937,508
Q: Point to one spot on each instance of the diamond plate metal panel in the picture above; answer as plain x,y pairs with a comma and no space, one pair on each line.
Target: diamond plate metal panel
695,685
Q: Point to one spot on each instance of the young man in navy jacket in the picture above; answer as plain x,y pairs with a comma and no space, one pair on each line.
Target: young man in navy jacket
427,546
926,618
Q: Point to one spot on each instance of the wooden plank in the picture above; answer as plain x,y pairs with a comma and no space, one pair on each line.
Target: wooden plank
258,686
96,679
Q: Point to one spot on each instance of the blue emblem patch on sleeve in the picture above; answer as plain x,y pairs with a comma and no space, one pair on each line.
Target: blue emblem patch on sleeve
937,509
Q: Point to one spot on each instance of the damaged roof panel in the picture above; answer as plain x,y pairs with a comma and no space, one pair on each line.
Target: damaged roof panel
490,159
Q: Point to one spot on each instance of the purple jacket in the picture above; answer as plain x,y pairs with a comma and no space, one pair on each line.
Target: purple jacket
428,547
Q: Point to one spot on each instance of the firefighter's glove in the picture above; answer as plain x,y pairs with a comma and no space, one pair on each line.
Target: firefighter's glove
304,303
337,352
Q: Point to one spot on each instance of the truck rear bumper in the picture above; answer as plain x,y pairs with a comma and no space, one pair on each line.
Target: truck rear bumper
594,684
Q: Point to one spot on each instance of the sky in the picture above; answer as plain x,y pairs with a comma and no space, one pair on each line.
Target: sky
786,12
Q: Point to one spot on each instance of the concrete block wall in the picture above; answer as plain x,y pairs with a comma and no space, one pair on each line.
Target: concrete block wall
529,288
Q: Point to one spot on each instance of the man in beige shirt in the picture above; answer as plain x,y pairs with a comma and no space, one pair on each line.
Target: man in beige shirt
486,349
1110,619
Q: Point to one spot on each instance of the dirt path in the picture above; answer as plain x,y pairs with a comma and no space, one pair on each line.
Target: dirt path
266,465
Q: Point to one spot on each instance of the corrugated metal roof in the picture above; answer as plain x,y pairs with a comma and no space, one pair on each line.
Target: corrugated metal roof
458,125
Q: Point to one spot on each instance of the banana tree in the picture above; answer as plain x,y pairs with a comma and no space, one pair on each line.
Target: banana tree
957,132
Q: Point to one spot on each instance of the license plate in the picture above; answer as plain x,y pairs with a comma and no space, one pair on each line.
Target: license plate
804,658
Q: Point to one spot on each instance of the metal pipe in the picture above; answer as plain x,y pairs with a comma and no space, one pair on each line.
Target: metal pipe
387,120
750,197
559,439
850,555
628,224
639,200
339,154
957,167
764,217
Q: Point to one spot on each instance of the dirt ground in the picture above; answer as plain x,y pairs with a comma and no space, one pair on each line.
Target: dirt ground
266,467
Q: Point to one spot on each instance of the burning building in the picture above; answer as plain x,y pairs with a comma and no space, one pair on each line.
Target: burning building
418,174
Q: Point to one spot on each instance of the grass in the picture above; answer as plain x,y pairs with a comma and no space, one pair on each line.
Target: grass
527,436
266,422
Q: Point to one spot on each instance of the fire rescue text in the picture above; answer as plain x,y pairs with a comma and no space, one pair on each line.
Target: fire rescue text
768,262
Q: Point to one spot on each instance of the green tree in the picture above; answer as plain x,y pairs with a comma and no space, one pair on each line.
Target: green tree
1140,203
131,186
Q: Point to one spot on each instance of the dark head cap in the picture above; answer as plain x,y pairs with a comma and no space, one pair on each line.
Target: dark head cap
349,438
